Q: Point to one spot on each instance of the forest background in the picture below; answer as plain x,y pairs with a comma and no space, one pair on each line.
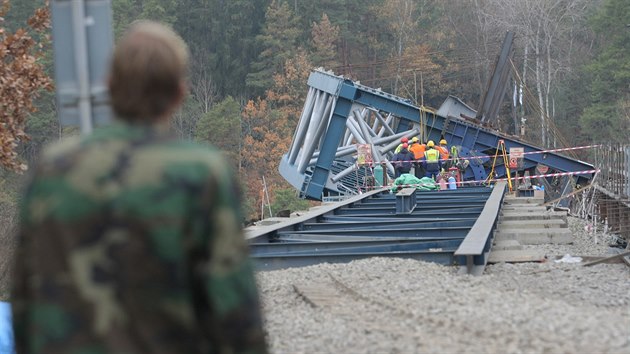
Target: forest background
251,60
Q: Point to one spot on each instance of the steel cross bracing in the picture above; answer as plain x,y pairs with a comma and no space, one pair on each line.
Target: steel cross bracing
338,113
372,225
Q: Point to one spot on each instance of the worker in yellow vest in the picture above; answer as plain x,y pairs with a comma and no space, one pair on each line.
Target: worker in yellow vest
404,140
432,163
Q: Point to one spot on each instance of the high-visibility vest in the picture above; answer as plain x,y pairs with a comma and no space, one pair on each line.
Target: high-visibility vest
418,150
454,154
432,155
443,152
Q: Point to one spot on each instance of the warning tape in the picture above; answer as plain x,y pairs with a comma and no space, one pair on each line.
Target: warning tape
370,163
494,180
563,149
554,175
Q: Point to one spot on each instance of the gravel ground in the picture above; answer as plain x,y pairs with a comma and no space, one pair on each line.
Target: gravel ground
391,305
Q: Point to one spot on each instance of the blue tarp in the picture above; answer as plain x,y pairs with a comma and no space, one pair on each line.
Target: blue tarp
6,329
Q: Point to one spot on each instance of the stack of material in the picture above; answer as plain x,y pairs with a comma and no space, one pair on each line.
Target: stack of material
525,221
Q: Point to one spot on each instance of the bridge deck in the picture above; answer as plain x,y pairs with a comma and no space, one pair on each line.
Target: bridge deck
368,226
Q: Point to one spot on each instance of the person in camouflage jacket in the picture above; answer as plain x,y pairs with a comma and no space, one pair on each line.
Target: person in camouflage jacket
130,240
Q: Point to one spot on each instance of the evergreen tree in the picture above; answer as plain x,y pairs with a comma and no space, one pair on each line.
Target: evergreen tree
124,12
325,39
221,128
222,37
279,43
606,117
284,199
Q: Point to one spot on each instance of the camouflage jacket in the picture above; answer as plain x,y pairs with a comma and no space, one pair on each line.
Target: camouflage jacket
131,242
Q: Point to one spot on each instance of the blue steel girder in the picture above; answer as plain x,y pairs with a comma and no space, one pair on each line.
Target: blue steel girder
368,214
323,236
384,225
287,247
419,209
479,139
360,220
434,232
362,248
331,140
456,130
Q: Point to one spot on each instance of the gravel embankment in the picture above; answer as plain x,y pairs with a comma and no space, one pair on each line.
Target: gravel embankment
391,305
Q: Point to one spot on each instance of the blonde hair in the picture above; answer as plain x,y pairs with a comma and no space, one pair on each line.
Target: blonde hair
149,65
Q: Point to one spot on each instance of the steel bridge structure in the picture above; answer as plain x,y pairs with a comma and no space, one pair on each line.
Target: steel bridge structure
450,227
339,113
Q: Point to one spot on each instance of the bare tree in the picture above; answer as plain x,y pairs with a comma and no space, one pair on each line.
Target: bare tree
402,23
203,88
548,27
203,96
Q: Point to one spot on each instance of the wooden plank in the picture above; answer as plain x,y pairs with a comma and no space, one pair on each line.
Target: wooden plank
570,194
603,260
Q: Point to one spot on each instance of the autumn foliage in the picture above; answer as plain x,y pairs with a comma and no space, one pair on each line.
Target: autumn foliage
22,76
268,125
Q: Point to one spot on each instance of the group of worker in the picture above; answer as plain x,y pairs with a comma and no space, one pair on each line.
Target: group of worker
427,159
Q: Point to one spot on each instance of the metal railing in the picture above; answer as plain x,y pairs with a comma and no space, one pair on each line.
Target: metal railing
614,163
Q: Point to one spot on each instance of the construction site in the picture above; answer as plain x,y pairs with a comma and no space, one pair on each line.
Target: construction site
526,251
512,246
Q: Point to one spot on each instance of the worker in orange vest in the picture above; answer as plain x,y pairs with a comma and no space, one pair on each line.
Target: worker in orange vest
444,153
418,148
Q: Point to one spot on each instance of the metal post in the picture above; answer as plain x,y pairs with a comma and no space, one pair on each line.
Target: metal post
309,139
344,173
309,149
351,125
302,124
81,58
330,105
385,122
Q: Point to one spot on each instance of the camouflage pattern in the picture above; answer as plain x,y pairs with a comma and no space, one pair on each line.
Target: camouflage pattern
131,242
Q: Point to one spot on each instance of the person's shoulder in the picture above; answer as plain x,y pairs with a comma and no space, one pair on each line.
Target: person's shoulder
76,144
184,159
183,150
61,148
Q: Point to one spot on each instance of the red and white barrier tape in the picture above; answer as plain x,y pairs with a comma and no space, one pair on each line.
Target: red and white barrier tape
492,156
553,175
494,180
563,149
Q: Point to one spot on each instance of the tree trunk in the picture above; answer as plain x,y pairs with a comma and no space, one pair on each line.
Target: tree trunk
523,87
539,88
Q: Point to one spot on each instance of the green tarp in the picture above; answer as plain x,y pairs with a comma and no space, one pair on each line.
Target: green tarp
406,179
